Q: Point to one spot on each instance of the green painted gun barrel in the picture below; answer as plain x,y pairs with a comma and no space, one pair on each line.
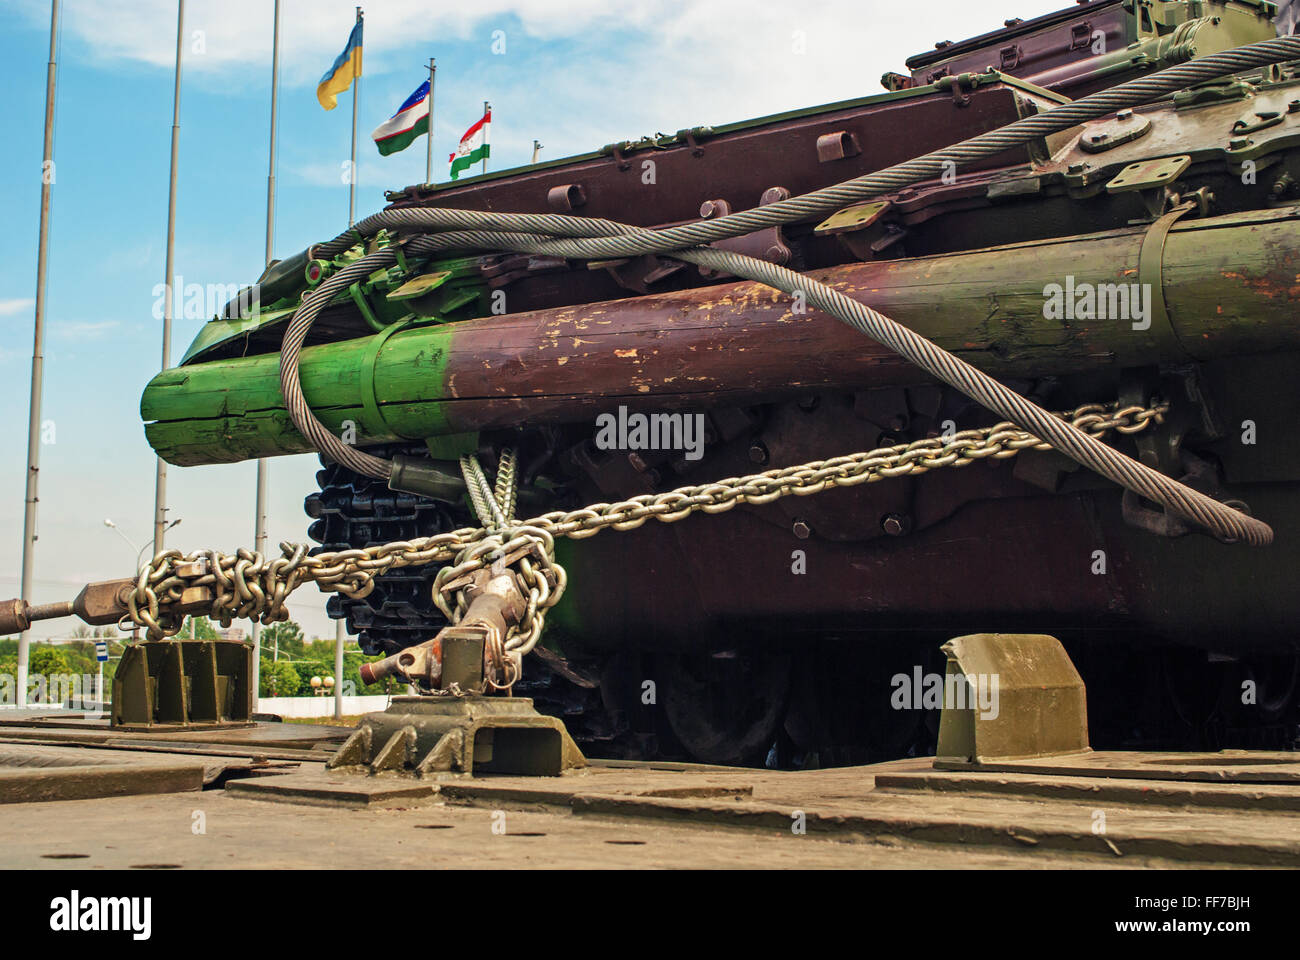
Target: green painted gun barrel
1229,287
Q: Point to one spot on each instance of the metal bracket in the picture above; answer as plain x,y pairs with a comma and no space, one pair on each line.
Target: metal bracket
840,145
373,420
1151,259
499,270
1149,174
859,216
961,86
1199,474
363,306
183,684
638,273
566,197
1125,127
419,286
1190,413
767,244
459,735
1259,120
1042,705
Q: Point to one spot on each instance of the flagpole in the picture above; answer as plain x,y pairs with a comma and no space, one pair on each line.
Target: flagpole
270,175
160,480
352,170
428,170
486,132
38,356
263,465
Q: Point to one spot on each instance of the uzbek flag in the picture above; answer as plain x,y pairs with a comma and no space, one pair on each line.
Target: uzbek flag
410,121
347,67
473,147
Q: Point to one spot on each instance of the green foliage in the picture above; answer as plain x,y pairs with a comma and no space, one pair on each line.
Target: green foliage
311,668
286,638
305,659
278,679
48,660
202,628
75,662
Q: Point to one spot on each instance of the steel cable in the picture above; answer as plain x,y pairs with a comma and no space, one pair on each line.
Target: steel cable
1131,94
586,238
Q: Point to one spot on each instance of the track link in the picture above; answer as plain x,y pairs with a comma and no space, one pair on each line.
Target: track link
351,511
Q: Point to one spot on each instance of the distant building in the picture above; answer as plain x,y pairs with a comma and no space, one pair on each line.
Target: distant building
234,634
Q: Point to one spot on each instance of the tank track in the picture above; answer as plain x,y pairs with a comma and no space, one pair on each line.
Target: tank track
351,511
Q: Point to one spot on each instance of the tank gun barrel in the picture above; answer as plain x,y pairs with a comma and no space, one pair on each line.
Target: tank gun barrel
1041,308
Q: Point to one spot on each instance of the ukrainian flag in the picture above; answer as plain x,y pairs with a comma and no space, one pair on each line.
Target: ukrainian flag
339,77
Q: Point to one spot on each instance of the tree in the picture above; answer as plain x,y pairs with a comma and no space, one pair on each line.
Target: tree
311,668
278,679
285,639
46,660
202,627
8,682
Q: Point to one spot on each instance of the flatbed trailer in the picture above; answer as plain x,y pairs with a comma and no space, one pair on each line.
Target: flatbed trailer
261,797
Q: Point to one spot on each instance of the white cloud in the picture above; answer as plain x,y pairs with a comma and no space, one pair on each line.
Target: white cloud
731,41
582,74
86,331
10,308
238,32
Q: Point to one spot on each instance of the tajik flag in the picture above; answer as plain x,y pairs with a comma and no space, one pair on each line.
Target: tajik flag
410,121
473,147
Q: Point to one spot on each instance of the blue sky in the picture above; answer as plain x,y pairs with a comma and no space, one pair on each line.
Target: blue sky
575,74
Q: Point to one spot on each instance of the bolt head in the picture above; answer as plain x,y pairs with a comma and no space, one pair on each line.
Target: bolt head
896,524
802,530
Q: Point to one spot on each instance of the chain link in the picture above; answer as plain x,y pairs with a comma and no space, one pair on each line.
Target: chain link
531,551
247,584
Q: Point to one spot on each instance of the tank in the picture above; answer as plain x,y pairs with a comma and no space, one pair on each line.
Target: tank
1149,258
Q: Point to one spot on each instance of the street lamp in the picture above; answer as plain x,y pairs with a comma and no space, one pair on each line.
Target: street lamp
139,554
129,542
139,551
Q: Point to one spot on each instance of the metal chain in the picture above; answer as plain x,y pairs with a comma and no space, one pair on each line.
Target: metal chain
246,584
531,550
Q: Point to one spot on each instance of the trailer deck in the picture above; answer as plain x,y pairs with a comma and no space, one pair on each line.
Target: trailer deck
78,794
